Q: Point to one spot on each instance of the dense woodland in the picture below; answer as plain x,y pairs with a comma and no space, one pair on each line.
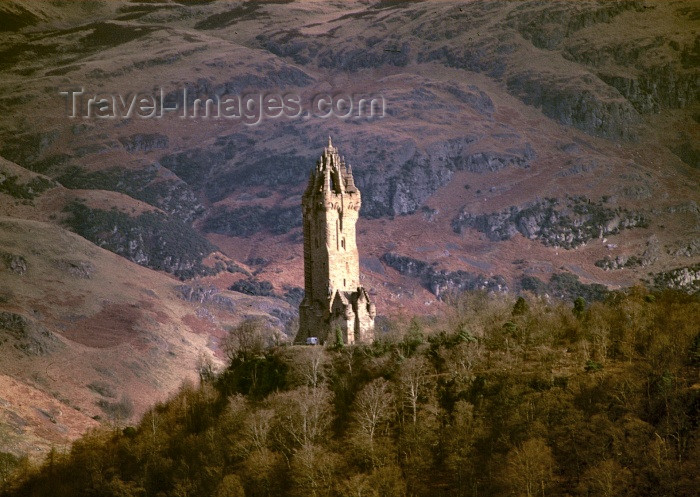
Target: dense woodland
496,397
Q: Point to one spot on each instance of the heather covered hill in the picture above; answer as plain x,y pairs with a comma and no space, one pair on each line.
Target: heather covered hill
499,397
87,336
491,108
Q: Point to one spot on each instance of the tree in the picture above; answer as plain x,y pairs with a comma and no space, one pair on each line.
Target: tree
520,307
246,340
307,366
372,407
264,474
339,344
8,463
313,471
607,479
579,308
413,383
358,485
205,368
302,417
529,468
230,486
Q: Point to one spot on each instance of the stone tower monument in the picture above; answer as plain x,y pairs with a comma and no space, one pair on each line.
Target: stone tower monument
335,299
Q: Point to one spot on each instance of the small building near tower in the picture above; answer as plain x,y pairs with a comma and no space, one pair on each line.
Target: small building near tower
334,298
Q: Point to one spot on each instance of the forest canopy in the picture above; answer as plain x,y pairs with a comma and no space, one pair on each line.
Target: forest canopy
496,397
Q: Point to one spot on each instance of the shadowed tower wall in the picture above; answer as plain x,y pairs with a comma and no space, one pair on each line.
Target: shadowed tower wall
334,298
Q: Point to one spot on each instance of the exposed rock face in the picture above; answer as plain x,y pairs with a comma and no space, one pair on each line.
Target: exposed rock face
690,249
205,295
24,190
13,262
598,111
619,262
76,268
150,239
154,185
564,286
396,176
442,282
140,142
687,152
412,175
686,279
28,336
245,221
550,222
656,88
650,255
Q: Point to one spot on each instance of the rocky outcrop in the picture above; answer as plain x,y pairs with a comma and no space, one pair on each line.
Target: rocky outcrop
578,101
548,25
656,88
150,239
144,142
13,262
206,295
649,256
442,282
686,279
26,335
28,190
552,222
245,221
620,262
411,177
687,152
75,268
396,177
690,249
154,185
564,286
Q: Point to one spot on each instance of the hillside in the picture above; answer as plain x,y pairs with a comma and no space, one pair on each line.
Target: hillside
87,335
501,106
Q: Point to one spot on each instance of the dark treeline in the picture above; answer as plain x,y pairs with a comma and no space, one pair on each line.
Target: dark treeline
498,397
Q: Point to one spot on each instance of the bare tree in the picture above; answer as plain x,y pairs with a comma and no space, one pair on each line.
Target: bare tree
372,407
413,383
312,471
302,417
245,340
307,366
529,468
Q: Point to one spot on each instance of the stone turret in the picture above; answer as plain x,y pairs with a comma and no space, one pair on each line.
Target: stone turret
334,297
